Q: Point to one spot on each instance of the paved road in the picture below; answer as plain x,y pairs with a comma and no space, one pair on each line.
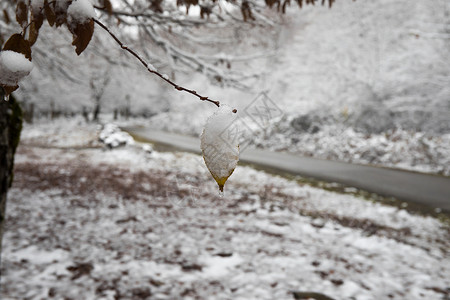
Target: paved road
430,190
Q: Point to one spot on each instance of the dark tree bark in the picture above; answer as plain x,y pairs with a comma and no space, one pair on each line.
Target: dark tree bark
96,109
10,127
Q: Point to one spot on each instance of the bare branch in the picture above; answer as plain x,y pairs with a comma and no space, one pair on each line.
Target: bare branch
153,70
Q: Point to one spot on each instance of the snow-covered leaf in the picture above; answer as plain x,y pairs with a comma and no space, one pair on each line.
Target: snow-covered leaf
220,150
18,44
80,21
13,67
82,34
22,13
50,14
80,11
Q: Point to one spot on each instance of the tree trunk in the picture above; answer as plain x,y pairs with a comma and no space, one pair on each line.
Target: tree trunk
10,127
96,110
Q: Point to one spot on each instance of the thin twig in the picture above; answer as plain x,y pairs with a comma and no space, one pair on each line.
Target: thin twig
151,70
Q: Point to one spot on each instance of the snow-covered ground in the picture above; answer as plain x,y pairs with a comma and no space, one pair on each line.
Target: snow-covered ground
85,222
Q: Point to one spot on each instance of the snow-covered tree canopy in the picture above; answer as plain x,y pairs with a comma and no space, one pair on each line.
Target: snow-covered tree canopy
164,23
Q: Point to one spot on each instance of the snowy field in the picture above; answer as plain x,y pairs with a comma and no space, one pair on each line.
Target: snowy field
85,222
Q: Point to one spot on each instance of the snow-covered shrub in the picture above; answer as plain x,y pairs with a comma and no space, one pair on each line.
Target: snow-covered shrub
147,148
113,137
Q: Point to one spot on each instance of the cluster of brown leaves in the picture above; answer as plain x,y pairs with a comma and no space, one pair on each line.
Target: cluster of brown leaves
31,21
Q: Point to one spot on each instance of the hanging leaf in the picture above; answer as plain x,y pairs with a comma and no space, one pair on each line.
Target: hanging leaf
33,34
219,145
22,13
107,6
6,16
13,67
18,44
37,19
49,13
82,34
9,89
155,5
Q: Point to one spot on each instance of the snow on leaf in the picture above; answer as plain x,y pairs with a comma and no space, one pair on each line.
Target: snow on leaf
22,13
220,150
107,6
37,6
50,14
60,10
80,11
13,67
18,44
81,24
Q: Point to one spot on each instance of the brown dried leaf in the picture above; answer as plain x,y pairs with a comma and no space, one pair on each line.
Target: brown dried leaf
49,14
82,34
107,6
155,5
33,34
18,44
22,13
6,16
9,89
36,23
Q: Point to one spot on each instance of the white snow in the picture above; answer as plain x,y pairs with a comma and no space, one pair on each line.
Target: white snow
40,256
13,67
37,6
80,11
217,266
220,145
113,137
